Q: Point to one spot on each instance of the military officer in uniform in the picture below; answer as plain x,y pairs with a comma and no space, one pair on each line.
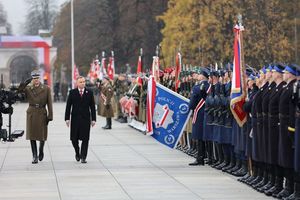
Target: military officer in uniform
285,145
106,108
197,104
121,86
296,136
38,117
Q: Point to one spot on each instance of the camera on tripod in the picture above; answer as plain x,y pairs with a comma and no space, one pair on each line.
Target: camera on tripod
7,99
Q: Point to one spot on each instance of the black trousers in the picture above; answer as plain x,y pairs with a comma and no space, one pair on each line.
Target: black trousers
84,147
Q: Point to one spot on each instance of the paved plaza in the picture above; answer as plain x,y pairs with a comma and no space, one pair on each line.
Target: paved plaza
122,164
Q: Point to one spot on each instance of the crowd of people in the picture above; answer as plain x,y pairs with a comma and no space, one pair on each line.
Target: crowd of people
263,152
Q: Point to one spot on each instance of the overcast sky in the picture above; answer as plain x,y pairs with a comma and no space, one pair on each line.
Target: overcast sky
16,11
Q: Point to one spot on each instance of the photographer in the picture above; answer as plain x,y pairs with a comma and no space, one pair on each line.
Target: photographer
38,96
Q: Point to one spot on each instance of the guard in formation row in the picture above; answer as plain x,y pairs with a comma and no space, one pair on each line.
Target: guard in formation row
265,151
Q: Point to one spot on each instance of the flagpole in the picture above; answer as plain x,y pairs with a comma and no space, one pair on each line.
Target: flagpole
72,42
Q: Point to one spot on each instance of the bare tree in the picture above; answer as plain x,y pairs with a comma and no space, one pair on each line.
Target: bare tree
3,19
40,15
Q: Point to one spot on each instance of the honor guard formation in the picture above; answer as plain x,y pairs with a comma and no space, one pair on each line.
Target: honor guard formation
264,153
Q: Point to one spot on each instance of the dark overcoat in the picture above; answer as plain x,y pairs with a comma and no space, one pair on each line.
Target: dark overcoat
82,112
257,126
197,104
265,111
273,123
285,144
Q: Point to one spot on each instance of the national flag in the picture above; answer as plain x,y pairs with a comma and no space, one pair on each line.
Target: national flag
111,67
238,87
75,75
151,93
139,70
178,70
155,68
102,71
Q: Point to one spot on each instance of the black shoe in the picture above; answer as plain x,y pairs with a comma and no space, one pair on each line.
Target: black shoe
77,157
83,160
35,160
106,127
41,156
123,120
286,192
197,162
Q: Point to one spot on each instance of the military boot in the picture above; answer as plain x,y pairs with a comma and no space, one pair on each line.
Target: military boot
108,124
41,150
276,188
296,194
287,191
34,152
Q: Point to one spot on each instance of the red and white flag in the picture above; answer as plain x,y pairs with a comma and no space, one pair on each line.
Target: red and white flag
75,75
151,93
177,70
111,67
139,71
238,87
155,67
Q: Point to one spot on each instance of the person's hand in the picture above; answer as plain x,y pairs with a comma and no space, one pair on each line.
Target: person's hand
93,123
68,123
48,120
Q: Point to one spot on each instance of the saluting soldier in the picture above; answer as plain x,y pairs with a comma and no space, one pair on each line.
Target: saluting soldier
37,116
106,108
197,104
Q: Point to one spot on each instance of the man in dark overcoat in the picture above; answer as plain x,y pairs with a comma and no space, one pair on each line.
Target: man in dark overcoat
285,144
81,107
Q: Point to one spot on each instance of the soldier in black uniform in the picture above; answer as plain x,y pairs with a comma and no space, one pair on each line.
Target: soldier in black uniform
257,129
197,104
296,136
285,150
209,117
271,99
247,107
263,144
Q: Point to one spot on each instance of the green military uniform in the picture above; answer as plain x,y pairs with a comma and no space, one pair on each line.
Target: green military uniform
106,94
121,87
37,115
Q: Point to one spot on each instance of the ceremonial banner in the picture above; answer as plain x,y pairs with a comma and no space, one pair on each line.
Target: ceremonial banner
238,87
139,71
75,75
177,70
111,67
170,115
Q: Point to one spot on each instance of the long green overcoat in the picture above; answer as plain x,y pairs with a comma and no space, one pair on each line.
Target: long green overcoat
106,94
37,115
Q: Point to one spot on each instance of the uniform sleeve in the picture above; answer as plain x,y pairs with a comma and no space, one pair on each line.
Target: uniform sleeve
92,106
49,104
194,98
109,95
292,116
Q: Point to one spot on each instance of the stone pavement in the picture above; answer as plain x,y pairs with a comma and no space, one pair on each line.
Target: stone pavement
122,164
